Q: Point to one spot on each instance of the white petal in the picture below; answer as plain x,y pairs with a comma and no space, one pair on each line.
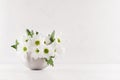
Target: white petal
47,40
59,49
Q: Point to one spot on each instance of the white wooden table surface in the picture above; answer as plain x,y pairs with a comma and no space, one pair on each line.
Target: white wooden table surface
62,72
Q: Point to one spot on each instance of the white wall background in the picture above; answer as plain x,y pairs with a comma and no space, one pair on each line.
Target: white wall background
91,28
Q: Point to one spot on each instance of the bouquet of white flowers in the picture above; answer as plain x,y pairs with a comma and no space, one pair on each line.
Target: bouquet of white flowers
38,46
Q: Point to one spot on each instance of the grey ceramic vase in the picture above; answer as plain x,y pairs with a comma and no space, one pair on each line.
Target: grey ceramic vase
35,64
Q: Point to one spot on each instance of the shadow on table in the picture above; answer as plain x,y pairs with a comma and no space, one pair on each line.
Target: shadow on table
38,75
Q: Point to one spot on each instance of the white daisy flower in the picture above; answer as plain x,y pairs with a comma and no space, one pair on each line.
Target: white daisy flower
37,53
57,46
24,45
47,52
36,41
23,48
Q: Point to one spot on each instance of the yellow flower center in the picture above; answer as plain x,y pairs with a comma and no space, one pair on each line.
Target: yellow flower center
58,40
46,51
37,50
24,49
37,42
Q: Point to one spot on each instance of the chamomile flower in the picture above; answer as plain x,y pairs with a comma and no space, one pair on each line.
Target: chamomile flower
25,44
23,48
47,52
57,46
37,53
58,40
36,41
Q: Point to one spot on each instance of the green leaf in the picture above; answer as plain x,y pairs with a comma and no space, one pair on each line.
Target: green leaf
50,61
52,56
30,33
15,45
52,36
